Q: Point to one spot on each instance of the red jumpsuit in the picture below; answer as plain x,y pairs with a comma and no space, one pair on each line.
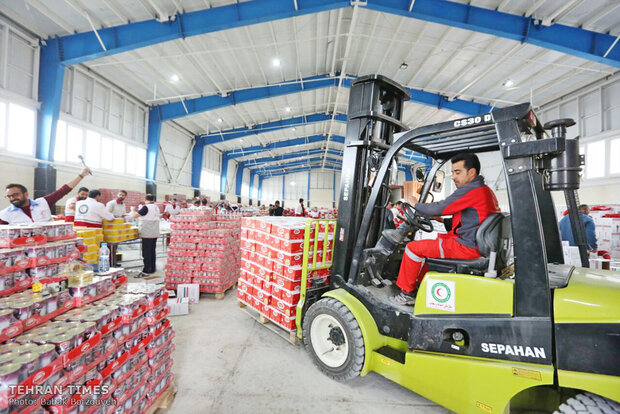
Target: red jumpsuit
469,205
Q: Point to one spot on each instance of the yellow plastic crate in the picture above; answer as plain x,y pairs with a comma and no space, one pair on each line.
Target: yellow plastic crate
85,233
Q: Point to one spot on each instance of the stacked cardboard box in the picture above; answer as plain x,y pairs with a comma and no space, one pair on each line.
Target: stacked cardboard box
204,250
118,230
92,238
607,224
271,264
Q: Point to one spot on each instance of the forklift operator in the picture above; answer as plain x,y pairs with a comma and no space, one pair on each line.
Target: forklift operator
469,205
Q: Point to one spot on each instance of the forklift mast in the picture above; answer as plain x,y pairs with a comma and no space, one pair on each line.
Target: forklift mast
374,116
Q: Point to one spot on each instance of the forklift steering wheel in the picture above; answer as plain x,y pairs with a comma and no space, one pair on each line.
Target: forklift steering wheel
416,220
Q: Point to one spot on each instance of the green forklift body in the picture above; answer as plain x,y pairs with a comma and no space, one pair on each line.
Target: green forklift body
482,385
587,331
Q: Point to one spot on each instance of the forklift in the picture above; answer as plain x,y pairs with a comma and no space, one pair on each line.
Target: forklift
516,330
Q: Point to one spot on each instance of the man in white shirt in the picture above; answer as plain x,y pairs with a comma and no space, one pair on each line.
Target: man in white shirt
71,202
91,212
300,210
173,209
148,215
25,210
117,206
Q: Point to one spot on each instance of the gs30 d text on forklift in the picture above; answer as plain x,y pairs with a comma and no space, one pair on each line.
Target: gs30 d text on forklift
543,336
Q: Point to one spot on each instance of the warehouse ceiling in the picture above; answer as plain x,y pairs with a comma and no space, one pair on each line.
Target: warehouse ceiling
343,43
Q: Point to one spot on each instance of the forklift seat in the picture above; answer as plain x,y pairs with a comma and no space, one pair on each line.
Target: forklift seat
493,235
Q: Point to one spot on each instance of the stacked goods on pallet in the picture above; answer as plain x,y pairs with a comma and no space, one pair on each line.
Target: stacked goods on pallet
112,355
92,238
271,264
33,252
118,230
133,199
204,249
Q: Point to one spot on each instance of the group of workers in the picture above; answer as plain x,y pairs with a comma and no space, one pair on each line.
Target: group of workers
300,210
471,203
87,210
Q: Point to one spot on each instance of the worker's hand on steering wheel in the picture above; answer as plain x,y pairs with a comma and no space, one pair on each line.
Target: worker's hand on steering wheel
414,219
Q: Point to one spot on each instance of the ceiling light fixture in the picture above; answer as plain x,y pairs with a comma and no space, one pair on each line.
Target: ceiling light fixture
287,109
276,62
219,120
241,140
293,128
508,83
174,77
404,66
293,183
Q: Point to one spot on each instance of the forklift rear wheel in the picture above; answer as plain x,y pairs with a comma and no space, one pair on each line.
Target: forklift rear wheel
588,403
334,339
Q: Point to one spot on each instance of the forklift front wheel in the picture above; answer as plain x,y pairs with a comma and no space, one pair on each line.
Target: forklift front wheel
334,339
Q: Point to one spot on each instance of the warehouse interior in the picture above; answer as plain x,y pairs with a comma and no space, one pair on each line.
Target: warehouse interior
245,102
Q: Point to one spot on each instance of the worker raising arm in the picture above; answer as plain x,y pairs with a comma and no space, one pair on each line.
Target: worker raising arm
25,210
91,212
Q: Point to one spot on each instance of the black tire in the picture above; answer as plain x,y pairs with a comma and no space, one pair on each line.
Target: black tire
588,403
354,362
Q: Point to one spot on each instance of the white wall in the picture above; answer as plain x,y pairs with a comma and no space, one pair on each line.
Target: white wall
596,110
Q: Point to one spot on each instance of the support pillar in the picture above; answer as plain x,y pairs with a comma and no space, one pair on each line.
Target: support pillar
308,197
260,188
197,160
223,175
151,188
44,182
408,174
239,179
51,77
252,175
152,149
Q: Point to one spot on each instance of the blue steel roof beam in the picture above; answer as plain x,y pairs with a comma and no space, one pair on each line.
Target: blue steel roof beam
244,152
316,167
174,110
82,47
187,107
259,161
237,133
575,41
295,163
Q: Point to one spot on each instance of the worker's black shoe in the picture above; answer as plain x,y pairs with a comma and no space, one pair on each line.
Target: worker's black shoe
403,299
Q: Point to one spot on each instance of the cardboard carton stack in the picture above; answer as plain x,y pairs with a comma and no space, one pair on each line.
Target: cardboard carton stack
271,265
118,230
92,240
204,250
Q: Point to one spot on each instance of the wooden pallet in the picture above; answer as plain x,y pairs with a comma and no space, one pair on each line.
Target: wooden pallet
164,400
288,336
220,295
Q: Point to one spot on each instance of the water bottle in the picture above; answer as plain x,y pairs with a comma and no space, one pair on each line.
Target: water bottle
104,258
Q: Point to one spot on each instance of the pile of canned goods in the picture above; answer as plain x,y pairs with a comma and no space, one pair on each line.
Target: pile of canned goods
27,304
11,257
13,279
99,315
55,250
151,292
18,361
93,287
9,233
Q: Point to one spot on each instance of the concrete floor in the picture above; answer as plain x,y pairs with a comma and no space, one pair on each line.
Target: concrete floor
226,362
